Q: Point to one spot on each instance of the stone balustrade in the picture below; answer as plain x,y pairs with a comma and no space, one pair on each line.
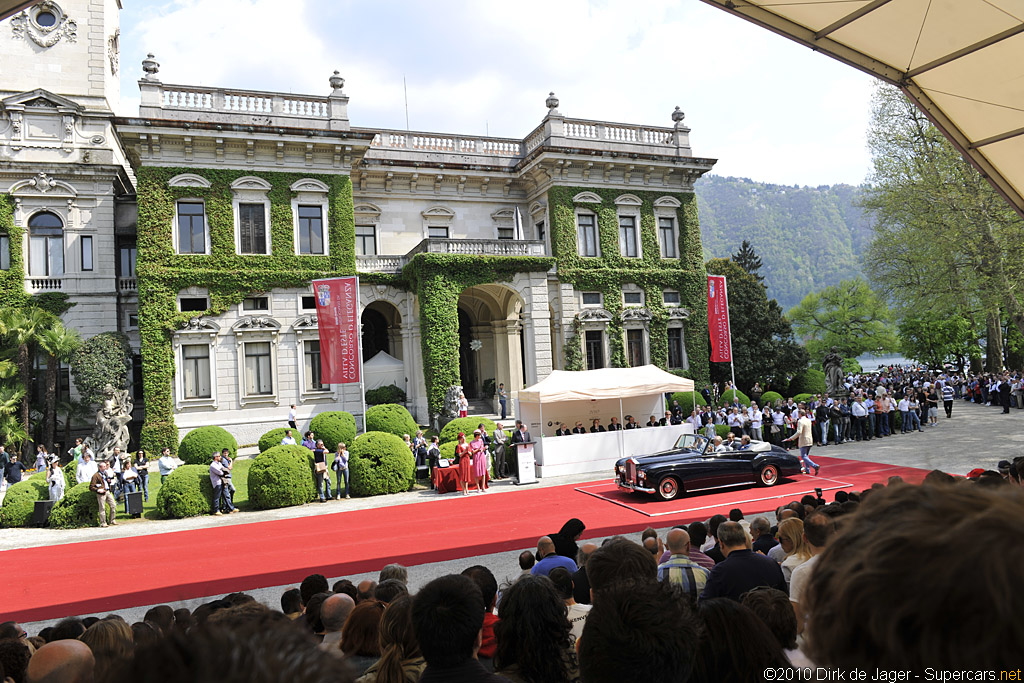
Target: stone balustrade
479,247
380,264
45,284
448,144
127,284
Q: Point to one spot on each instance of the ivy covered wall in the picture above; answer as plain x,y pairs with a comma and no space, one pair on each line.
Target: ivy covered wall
229,277
12,281
608,272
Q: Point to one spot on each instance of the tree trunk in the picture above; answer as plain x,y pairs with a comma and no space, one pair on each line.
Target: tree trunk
993,342
25,376
50,402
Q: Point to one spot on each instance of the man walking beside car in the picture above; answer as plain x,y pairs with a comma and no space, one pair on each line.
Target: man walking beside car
805,440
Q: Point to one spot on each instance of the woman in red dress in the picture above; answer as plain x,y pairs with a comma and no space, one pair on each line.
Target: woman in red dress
462,452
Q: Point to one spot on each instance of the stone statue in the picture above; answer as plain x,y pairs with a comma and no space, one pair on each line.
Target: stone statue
111,423
451,407
833,365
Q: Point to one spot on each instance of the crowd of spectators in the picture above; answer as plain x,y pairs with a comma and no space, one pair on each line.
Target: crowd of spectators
898,576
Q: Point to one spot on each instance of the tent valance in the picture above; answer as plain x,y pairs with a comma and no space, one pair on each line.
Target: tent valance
587,385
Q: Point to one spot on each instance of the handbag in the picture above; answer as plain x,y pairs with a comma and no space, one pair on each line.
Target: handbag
321,467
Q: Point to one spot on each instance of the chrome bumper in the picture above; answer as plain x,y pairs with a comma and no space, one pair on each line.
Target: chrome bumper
629,486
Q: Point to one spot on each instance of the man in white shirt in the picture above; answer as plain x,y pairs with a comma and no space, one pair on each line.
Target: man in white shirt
291,417
167,463
86,468
755,423
288,439
859,413
904,407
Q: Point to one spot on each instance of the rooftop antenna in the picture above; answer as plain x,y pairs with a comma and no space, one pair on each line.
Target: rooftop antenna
487,128
405,90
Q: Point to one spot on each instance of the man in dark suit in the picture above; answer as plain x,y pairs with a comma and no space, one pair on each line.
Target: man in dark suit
563,430
742,569
520,435
579,429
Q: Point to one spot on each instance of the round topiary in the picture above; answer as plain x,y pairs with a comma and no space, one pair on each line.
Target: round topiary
380,463
281,477
448,450
807,381
390,418
770,397
199,444
70,475
722,430
685,399
274,436
803,398
450,432
727,397
387,394
76,509
20,501
187,492
333,427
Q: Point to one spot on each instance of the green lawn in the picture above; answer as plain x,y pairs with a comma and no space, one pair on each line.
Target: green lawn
239,475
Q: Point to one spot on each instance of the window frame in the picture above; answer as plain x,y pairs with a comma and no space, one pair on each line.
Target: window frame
238,203
308,375
310,192
599,344
298,227
643,344
683,359
5,251
674,233
666,302
634,221
209,367
83,242
177,226
268,358
583,299
53,245
581,246
254,298
432,228
361,239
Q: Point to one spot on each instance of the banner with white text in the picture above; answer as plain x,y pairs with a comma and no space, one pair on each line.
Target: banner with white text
337,313
718,320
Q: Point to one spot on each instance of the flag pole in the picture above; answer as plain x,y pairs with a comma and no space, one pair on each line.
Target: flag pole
359,352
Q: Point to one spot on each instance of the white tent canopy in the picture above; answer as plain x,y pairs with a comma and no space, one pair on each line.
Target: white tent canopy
614,383
959,61
383,370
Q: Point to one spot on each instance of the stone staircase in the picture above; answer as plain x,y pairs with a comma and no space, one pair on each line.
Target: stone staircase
484,409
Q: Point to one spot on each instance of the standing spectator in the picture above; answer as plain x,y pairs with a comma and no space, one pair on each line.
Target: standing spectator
229,487
419,448
217,471
500,441
463,458
55,480
533,634
98,485
141,465
859,415
1004,393
41,457
166,464
947,397
502,399
86,468
14,469
478,452
309,440
340,467
742,569
288,439
323,479
463,406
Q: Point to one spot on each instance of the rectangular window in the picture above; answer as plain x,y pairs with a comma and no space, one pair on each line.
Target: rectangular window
540,231
366,240
627,236
506,233
312,365
667,237
191,228
437,232
5,252
311,230
258,378
587,223
256,303
137,392
46,256
309,303
594,343
675,348
670,297
252,229
86,252
195,371
633,298
133,321
192,303
126,260
591,298
635,348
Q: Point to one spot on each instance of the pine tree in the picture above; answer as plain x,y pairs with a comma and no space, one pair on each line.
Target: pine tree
747,259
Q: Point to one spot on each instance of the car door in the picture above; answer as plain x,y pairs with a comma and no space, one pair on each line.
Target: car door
725,469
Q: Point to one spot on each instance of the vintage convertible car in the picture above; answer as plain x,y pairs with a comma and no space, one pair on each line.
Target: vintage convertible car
693,465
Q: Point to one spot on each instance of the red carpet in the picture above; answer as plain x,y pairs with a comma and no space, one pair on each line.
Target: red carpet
102,576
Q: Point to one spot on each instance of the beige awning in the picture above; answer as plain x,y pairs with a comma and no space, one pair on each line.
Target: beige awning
960,61
593,385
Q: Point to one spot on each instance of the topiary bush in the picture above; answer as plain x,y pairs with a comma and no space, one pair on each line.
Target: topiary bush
770,397
334,426
76,509
20,501
187,492
685,399
70,475
380,463
382,395
390,418
274,436
282,477
727,397
807,381
199,444
722,430
448,450
802,398
450,432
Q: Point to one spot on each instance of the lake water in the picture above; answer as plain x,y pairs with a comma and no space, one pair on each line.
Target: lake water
870,362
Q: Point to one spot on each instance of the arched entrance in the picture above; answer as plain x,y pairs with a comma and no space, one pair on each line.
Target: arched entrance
490,340
382,330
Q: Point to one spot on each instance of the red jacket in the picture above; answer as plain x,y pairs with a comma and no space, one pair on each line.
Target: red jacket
488,645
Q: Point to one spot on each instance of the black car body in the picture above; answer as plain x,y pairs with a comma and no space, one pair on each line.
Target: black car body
693,465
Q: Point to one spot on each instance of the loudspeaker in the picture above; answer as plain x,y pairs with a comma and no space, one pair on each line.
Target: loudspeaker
133,503
41,512
422,472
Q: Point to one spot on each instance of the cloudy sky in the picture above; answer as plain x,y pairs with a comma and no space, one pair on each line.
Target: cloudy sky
767,108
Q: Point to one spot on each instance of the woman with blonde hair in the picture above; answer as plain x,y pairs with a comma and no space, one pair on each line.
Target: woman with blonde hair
111,643
400,659
791,538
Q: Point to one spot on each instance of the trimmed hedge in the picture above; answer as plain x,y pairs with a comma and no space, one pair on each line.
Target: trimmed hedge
282,477
382,395
380,463
274,436
76,509
199,444
70,475
450,432
685,399
727,397
187,492
390,418
722,430
770,397
20,501
448,450
801,398
807,381
334,426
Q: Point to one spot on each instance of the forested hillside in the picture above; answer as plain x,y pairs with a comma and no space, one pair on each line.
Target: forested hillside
808,237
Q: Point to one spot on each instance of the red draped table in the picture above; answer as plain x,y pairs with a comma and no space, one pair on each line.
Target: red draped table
446,479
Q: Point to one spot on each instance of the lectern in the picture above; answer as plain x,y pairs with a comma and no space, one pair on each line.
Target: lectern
526,473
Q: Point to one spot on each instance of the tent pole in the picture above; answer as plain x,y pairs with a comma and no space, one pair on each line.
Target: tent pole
622,427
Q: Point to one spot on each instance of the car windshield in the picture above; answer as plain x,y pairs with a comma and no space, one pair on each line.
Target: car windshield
693,442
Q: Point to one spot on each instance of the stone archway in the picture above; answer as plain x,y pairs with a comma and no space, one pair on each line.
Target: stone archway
490,340
381,330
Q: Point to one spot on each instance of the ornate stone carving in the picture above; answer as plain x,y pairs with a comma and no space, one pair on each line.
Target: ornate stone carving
833,364
552,104
151,67
46,32
188,180
114,52
42,182
198,325
451,401
336,81
678,116
635,314
305,322
594,315
677,313
256,322
112,420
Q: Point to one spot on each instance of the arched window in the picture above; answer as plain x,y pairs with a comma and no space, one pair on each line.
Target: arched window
45,245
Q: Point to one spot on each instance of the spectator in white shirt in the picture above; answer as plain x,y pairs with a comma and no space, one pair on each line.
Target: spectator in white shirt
86,468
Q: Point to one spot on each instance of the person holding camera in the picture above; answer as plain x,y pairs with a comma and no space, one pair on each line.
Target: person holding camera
323,479
340,466
104,498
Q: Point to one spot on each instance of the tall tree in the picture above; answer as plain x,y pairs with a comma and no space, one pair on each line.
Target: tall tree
934,339
747,259
848,316
763,347
59,344
20,329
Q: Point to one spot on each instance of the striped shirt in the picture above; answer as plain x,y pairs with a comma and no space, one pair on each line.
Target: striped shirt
947,393
681,570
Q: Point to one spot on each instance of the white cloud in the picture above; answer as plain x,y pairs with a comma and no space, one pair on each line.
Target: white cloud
767,108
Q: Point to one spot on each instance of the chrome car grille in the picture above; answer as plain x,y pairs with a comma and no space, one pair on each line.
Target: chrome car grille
630,471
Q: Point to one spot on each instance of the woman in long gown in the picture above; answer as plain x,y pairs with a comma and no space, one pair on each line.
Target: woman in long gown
479,450
464,453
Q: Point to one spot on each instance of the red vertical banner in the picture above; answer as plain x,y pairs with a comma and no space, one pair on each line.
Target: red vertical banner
337,314
718,320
